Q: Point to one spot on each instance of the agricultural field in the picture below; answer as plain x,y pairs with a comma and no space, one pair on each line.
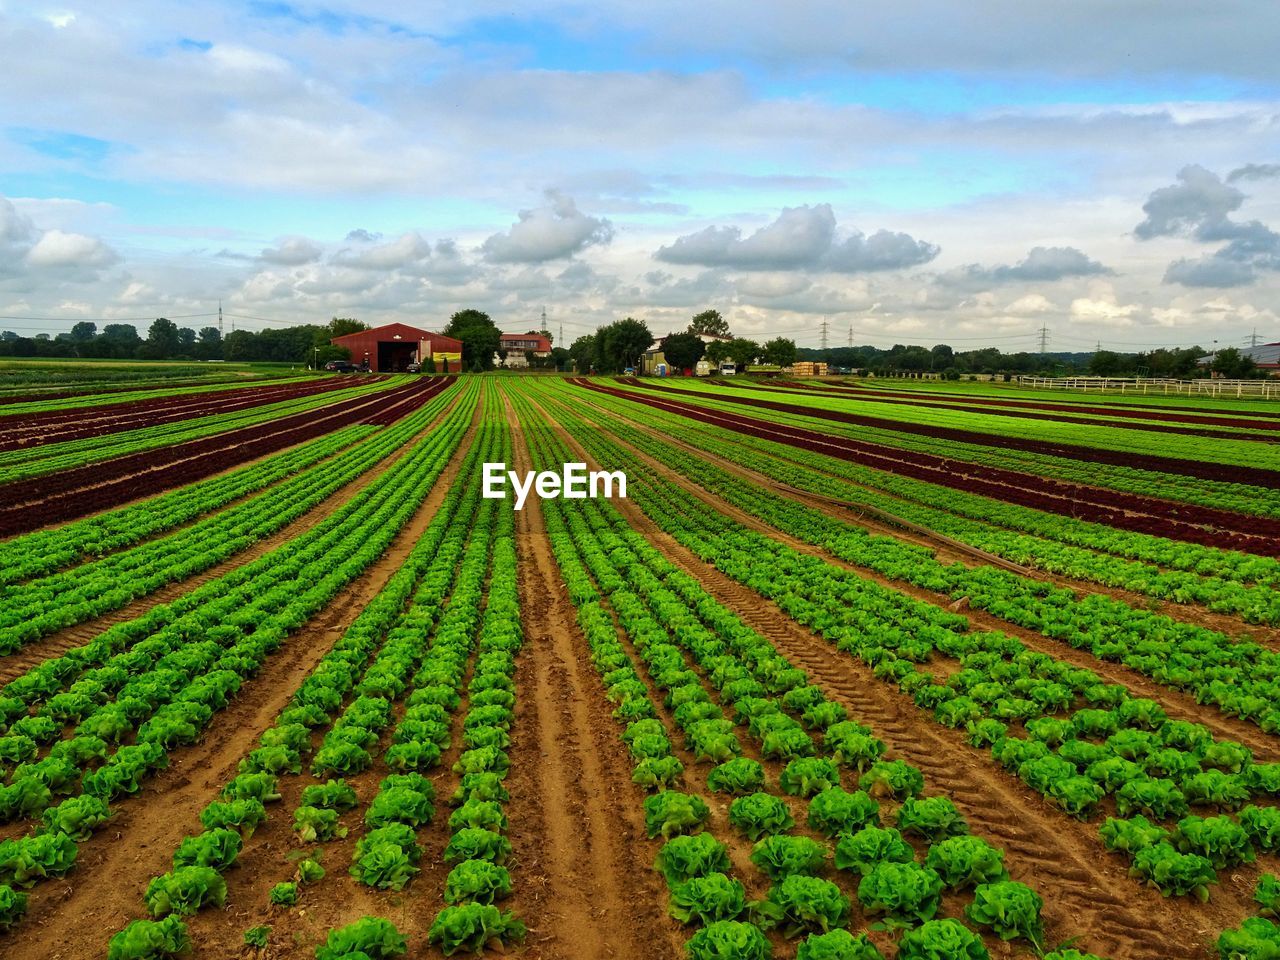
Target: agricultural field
30,379
845,671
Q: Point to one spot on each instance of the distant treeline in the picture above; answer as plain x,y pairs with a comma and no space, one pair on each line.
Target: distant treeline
165,340
942,359
612,347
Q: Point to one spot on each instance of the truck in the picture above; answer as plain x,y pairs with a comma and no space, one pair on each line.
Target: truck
728,368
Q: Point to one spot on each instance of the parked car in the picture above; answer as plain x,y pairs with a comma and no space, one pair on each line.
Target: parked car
340,366
413,368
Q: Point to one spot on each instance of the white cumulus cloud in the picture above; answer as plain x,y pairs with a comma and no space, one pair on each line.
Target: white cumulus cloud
551,232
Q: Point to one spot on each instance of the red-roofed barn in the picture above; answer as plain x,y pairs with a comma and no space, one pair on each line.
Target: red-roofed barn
391,348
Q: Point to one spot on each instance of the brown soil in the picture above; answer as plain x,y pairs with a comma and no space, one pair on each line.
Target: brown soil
58,643
1087,892
73,917
583,877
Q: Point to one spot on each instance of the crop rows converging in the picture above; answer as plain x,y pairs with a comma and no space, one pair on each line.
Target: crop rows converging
843,672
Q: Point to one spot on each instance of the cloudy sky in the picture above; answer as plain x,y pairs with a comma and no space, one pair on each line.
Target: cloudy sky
914,171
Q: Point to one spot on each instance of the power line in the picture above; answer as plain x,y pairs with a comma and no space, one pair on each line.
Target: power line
1146,344
290,323
1044,339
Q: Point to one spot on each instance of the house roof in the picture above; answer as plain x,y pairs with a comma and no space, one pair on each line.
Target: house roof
704,337
400,332
1264,355
543,342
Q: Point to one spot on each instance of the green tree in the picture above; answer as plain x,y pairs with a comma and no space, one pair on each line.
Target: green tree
743,351
915,359
1178,363
943,357
709,321
583,353
1234,365
781,351
479,335
986,360
238,345
209,344
341,326
117,341
162,341
560,357
717,351
84,331
683,350
186,341
621,344
1107,363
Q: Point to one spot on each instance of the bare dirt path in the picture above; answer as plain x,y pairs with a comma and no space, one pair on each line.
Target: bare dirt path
583,879
72,918
58,643
1086,891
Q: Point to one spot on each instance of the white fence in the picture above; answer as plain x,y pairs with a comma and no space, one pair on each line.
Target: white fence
1264,389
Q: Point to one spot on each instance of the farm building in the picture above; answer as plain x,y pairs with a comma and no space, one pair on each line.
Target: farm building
517,345
391,348
654,357
1265,355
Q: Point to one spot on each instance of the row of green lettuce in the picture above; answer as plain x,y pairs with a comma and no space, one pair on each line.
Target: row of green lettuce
1081,738
91,726
41,606
42,552
667,616
1239,678
1048,431
1226,581
126,392
406,653
50,458
1238,497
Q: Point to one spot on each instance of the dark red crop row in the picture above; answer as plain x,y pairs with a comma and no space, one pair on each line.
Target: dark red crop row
426,388
31,504
37,396
1040,413
1175,521
32,430
1202,470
